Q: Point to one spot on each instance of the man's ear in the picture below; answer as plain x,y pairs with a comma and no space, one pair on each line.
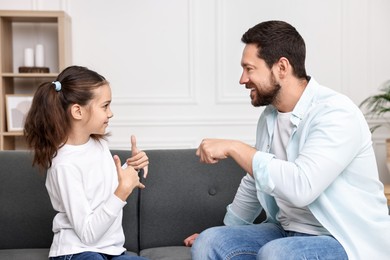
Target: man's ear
76,111
283,67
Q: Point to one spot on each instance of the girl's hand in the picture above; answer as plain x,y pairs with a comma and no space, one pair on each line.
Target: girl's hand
139,160
128,180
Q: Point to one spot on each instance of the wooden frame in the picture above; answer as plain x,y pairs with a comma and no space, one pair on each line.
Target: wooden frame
17,107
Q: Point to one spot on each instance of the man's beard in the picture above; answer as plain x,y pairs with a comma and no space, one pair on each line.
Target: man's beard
266,98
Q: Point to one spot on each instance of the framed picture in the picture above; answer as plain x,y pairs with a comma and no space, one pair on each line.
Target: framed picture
17,107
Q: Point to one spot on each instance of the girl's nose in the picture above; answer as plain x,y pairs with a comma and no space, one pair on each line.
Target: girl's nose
110,114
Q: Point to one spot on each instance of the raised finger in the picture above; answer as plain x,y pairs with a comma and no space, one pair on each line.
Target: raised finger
134,149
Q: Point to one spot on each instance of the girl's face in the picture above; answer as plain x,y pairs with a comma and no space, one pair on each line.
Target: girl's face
100,111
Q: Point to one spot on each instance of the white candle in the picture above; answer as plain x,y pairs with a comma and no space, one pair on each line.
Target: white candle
39,56
28,57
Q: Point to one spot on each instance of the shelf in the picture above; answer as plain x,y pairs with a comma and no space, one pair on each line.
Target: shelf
387,193
29,75
50,28
14,133
32,16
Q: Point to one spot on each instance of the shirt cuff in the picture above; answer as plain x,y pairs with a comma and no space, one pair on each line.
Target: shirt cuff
261,171
231,219
114,205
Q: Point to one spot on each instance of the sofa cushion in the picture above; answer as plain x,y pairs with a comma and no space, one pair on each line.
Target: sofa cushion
26,213
183,196
167,253
28,254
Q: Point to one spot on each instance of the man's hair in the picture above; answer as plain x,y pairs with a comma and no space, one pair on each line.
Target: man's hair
276,39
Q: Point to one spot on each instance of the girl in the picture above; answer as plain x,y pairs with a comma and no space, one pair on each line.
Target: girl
65,127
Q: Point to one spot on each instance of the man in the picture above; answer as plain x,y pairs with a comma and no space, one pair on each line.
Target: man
313,169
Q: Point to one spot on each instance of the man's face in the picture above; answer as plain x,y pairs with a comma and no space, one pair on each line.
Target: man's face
258,77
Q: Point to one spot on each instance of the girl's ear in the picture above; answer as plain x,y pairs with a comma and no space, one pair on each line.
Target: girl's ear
76,111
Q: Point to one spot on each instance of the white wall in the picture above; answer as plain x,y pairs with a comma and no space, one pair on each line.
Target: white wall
174,65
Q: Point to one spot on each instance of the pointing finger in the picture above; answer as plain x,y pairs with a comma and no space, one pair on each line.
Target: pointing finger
134,149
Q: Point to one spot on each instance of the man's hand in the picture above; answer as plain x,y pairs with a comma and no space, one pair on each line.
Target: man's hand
213,150
189,241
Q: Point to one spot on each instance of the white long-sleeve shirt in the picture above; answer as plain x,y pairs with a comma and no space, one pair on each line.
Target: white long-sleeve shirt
330,168
81,184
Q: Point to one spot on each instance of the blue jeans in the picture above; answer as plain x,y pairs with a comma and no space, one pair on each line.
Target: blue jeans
266,241
96,256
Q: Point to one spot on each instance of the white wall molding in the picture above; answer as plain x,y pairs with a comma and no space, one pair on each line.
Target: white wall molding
65,5
222,96
158,100
183,121
161,144
171,98
155,144
35,5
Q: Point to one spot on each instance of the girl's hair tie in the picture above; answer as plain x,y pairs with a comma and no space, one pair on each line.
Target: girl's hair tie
57,85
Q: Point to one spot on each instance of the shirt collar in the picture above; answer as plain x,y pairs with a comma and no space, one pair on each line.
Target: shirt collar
304,102
302,106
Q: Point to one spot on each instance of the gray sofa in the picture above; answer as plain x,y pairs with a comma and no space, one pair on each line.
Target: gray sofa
182,196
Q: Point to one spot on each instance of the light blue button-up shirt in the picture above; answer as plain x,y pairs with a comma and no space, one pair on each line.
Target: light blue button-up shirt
331,169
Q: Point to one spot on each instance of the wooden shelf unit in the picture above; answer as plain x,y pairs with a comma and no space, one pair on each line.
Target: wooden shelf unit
10,79
387,193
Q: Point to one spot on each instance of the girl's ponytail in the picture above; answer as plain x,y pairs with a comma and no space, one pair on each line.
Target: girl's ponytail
46,125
